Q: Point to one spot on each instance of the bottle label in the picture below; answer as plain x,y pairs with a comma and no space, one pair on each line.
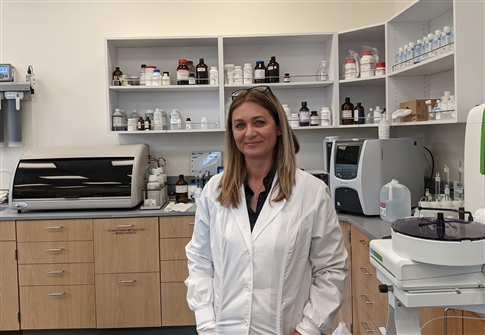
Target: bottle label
117,121
346,114
314,120
181,188
182,75
201,69
259,74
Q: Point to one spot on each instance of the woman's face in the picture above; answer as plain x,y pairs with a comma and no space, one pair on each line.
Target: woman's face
255,131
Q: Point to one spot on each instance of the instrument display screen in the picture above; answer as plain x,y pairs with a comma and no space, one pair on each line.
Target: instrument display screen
6,72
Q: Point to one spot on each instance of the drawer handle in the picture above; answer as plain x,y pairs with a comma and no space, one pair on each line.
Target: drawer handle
55,272
126,281
363,243
124,226
364,297
366,328
192,223
52,227
364,271
50,294
54,250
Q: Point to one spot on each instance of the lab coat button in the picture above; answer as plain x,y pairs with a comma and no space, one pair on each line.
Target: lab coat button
248,288
248,253
246,323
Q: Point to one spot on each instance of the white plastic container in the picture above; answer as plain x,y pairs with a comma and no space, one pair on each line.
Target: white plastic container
238,75
395,201
214,75
367,65
174,119
341,329
325,117
287,110
384,128
248,73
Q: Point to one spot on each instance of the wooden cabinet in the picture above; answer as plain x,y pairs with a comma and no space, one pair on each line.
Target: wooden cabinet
56,274
175,233
9,298
370,306
127,272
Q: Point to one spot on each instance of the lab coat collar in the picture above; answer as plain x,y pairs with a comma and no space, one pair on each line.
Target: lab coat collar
268,213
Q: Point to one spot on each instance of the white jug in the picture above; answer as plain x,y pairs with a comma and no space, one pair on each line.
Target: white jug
395,201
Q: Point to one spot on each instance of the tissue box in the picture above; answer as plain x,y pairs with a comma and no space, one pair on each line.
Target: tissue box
419,108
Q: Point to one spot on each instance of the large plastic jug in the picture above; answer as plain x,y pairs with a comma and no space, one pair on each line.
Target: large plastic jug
395,201
341,330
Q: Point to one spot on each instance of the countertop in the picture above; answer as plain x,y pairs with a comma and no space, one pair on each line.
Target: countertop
372,226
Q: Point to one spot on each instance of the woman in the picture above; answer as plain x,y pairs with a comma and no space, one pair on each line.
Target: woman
267,254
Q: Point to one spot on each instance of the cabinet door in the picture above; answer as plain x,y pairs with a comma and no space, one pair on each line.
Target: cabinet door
9,298
362,324
473,327
126,245
57,307
126,300
55,230
175,310
345,312
7,231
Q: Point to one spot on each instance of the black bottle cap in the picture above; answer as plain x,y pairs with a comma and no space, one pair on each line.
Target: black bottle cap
303,103
273,58
181,176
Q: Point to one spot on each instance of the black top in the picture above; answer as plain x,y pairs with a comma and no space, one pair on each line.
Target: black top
267,182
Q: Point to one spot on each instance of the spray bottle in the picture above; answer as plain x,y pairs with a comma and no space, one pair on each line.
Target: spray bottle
384,127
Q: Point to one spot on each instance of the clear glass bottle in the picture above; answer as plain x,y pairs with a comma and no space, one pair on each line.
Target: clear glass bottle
346,112
182,72
259,72
181,190
201,73
322,73
273,71
304,115
166,79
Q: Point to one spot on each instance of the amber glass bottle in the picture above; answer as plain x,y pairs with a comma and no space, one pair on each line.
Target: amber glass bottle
347,112
359,114
116,76
181,190
182,72
273,70
201,73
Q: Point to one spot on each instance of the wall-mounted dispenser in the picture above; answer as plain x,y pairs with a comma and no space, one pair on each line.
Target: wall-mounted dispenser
13,91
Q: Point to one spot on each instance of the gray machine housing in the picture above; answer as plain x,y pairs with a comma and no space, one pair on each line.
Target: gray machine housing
360,167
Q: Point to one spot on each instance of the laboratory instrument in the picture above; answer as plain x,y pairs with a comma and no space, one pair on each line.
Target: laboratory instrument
360,167
430,262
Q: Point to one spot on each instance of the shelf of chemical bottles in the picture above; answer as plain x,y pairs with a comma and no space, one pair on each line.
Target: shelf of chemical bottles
196,128
370,81
282,85
164,88
444,61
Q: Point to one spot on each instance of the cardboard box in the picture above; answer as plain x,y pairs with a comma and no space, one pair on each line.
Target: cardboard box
419,108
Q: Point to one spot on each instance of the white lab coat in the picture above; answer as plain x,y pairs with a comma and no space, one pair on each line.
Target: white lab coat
260,282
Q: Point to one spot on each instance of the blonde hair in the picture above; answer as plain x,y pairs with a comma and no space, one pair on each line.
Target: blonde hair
284,159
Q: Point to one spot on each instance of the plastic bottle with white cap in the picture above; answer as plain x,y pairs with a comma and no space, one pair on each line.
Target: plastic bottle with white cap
395,201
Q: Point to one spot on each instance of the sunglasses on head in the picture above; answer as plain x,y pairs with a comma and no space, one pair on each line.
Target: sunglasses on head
261,88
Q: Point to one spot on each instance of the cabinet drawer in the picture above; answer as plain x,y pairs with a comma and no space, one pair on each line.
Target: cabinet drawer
173,248
175,310
57,307
173,271
176,226
128,300
366,272
55,252
7,230
369,303
126,245
56,274
362,324
360,243
55,230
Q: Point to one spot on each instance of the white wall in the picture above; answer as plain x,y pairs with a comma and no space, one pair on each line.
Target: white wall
64,42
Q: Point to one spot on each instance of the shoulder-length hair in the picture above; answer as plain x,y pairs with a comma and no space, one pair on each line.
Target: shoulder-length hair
284,159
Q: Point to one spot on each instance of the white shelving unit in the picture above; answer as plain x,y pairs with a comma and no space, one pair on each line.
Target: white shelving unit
300,55
452,70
